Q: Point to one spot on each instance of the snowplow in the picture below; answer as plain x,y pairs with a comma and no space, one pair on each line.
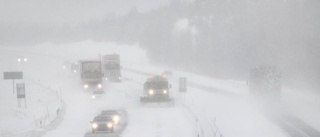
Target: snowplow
156,89
265,82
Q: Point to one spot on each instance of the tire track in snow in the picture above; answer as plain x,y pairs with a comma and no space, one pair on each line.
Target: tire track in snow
295,127
292,125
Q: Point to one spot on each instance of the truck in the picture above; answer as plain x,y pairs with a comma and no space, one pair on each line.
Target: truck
91,74
74,67
156,89
112,67
265,82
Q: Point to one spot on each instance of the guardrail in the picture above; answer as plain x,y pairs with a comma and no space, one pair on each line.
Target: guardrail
46,122
206,126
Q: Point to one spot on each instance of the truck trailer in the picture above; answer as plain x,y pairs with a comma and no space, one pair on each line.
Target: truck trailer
112,67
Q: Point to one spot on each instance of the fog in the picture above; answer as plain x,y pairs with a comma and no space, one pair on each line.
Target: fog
226,38
217,41
59,12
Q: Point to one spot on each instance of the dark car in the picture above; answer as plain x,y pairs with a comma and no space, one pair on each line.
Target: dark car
102,124
118,116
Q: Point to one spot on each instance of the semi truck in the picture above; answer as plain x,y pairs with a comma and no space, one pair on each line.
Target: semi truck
91,74
265,82
112,67
74,67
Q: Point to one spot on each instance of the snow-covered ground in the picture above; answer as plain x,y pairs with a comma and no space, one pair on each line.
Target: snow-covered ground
210,107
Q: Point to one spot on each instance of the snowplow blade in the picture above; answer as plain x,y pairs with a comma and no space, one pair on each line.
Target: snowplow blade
102,135
150,100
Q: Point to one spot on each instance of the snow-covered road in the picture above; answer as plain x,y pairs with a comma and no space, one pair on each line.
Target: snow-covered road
254,117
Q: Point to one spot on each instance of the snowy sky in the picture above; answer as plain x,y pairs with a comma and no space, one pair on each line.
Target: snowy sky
69,11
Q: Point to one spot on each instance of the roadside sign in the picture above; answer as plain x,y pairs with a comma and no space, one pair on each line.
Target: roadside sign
12,75
182,84
21,90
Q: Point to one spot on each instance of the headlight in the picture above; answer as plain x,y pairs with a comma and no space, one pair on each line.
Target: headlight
165,91
120,78
64,67
94,125
25,59
151,92
99,86
19,60
116,119
74,71
109,125
86,86
93,96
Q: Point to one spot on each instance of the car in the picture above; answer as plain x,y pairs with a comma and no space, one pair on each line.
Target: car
118,116
102,124
96,94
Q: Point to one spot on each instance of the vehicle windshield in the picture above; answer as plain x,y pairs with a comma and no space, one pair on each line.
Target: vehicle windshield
95,74
114,73
102,118
91,66
157,85
112,66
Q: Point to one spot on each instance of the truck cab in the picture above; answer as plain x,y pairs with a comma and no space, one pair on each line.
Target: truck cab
156,89
91,74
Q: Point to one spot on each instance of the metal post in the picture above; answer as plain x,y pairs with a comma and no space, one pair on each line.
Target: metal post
35,121
13,85
25,102
19,103
48,113
25,99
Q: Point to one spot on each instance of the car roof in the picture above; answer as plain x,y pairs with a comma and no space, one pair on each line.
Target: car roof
109,112
102,118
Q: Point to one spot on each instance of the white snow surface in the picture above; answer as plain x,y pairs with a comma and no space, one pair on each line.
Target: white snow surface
227,109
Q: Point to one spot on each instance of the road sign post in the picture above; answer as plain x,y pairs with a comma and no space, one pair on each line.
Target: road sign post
12,76
183,86
21,94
